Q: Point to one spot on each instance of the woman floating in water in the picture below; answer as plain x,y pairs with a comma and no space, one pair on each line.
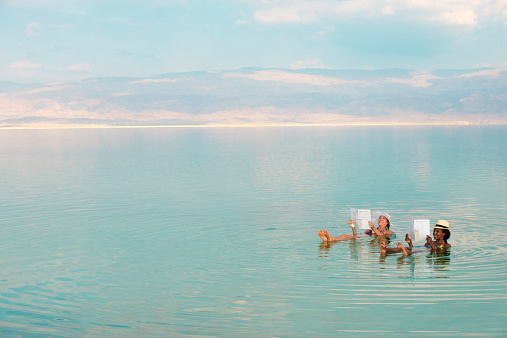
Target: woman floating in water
384,223
441,233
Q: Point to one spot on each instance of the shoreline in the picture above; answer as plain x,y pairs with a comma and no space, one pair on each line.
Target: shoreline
246,125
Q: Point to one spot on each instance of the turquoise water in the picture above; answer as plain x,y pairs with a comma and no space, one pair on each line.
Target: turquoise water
175,232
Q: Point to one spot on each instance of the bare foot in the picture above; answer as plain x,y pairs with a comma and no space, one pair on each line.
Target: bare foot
328,236
408,240
382,247
321,235
402,248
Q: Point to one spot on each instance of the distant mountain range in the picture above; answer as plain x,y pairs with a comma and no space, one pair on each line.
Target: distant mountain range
263,96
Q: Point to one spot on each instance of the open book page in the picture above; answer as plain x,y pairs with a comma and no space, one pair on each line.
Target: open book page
360,217
419,229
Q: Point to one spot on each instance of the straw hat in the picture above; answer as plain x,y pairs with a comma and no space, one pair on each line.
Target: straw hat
441,224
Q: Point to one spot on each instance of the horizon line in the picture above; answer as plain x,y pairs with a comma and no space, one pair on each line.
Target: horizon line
246,125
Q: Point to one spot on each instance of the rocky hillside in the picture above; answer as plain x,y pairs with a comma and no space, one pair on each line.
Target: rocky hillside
263,96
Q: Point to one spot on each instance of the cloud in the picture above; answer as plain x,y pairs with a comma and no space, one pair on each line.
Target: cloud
278,15
30,3
489,72
243,22
466,18
153,81
24,64
30,29
49,88
312,63
446,12
282,76
387,11
80,67
304,11
418,79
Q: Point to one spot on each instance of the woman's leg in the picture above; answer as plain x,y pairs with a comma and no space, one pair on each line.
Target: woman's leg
330,238
382,246
406,251
384,250
322,236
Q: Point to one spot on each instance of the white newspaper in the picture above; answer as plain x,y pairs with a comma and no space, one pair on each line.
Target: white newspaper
360,217
419,229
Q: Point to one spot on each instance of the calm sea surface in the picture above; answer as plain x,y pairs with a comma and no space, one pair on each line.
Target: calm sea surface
213,232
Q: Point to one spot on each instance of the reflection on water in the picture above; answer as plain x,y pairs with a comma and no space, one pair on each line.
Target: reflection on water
440,260
420,263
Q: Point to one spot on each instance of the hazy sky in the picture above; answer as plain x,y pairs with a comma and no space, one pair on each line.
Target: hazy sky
61,40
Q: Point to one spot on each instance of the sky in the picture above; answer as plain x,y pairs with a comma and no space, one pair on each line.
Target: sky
54,41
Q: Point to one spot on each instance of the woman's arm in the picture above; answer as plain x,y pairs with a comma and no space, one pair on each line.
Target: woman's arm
351,224
429,243
373,229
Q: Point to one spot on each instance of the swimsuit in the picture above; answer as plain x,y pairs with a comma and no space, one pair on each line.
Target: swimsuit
441,246
369,232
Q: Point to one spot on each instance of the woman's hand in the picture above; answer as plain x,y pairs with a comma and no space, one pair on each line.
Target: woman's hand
373,229
351,224
408,240
429,243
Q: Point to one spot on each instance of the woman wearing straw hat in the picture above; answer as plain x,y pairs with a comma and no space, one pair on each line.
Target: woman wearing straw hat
383,229
441,233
